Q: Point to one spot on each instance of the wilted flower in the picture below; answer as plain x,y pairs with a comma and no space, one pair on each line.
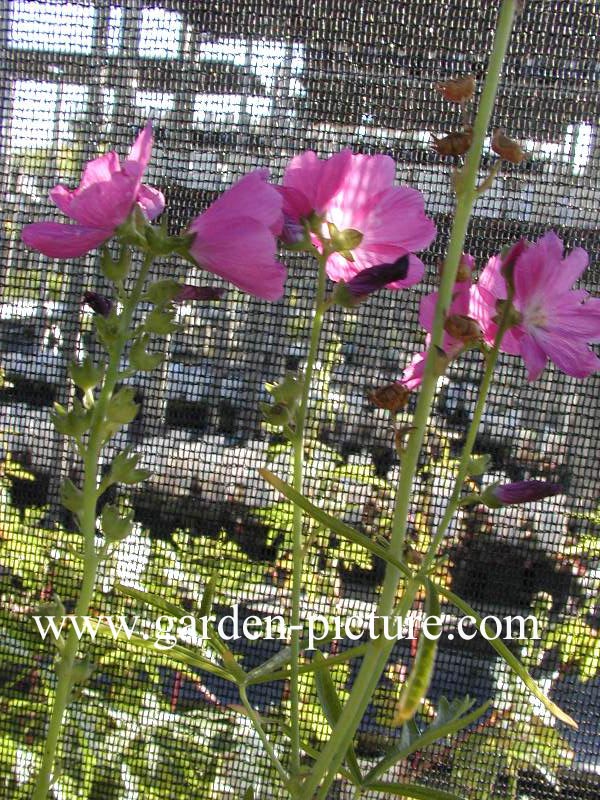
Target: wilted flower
392,397
236,236
101,203
507,148
458,90
552,321
98,303
354,195
510,494
454,144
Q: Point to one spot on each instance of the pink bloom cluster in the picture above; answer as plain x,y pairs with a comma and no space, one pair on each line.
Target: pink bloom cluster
552,320
101,203
236,237
357,192
556,322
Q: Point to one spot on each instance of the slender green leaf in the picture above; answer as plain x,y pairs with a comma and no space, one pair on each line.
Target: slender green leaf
178,652
334,524
332,708
263,674
511,659
413,790
349,533
433,734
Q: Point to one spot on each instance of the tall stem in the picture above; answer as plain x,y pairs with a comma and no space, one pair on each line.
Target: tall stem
298,481
87,526
328,763
463,466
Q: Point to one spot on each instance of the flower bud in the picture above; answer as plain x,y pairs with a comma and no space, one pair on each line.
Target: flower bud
189,292
507,148
368,281
393,397
98,303
458,90
510,494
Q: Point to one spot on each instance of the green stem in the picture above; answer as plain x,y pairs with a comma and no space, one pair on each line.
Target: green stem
484,387
256,721
328,763
87,526
298,482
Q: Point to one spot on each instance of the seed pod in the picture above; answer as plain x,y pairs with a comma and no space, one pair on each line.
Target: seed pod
454,144
392,397
417,684
458,90
463,328
507,148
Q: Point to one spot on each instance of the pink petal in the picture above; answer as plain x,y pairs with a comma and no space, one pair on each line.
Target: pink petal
99,170
151,201
242,252
576,320
60,240
139,155
251,197
427,311
572,267
534,357
572,356
332,180
413,374
106,203
301,178
398,217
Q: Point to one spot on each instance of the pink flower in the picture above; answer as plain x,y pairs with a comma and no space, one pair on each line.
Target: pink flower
236,236
357,192
555,321
461,304
101,203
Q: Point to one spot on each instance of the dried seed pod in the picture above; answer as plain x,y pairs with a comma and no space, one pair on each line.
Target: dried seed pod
507,148
392,397
455,144
458,90
463,328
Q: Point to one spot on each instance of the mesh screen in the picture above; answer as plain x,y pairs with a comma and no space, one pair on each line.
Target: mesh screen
231,87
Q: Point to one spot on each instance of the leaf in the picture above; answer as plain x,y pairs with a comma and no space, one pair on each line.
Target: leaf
334,524
350,533
446,723
178,653
121,407
332,708
140,358
71,497
263,673
512,661
413,790
114,526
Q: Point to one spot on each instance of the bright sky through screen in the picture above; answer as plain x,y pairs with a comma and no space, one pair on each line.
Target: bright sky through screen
42,111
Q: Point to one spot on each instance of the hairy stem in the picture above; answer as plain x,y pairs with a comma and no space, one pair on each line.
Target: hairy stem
87,526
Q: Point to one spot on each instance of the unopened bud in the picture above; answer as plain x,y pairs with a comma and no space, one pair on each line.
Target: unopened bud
465,268
463,328
98,303
510,494
458,90
392,397
507,148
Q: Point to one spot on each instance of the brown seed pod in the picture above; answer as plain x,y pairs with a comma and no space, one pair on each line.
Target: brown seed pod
392,397
458,90
463,328
507,148
455,144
